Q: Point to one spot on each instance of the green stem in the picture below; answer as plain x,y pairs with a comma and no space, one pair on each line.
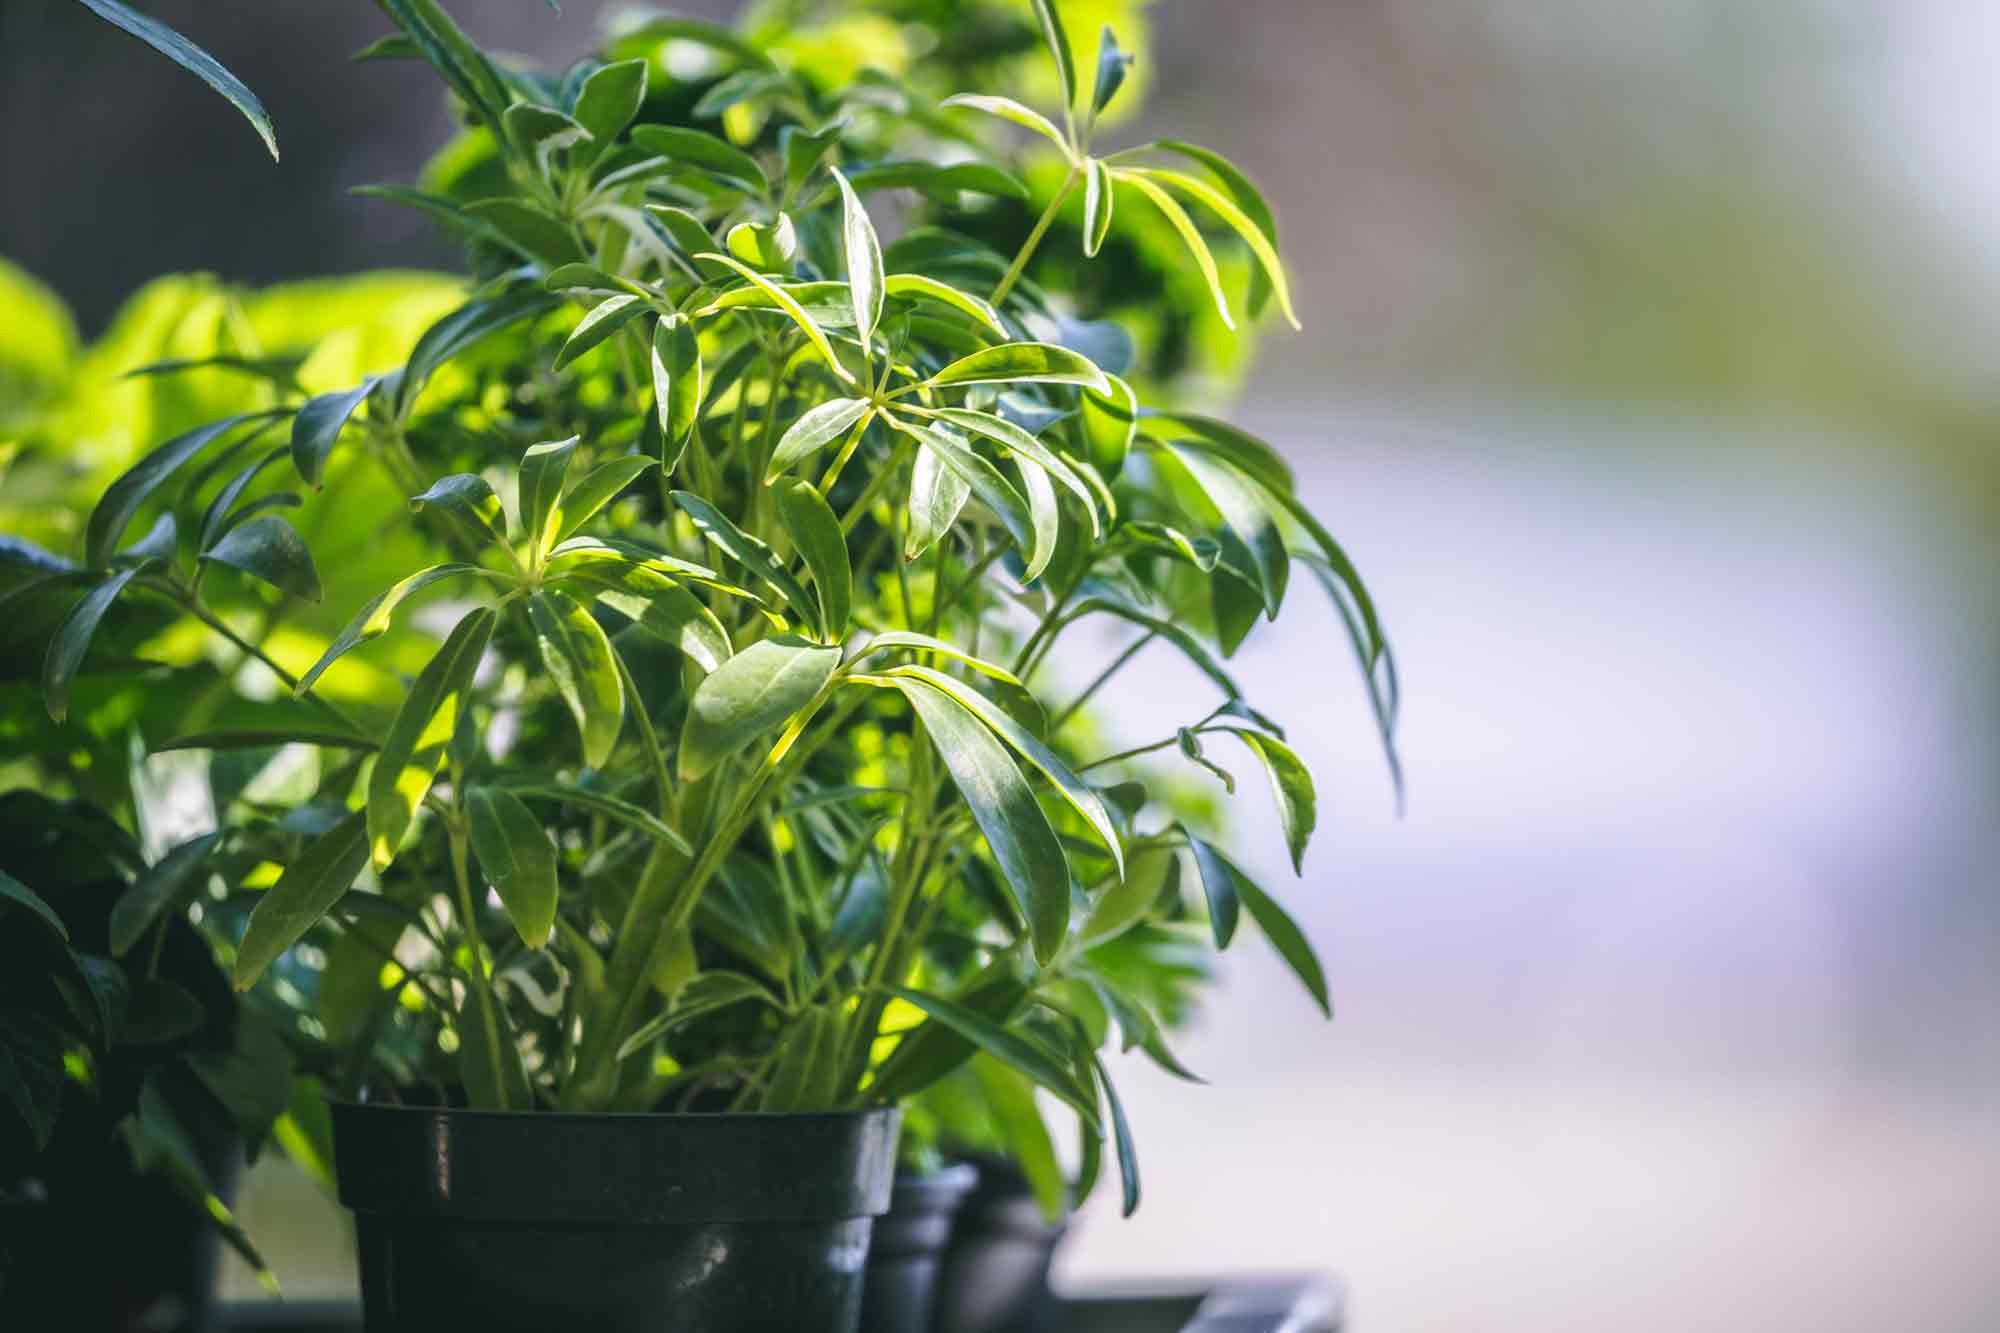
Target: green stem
1028,247
481,984
194,607
1128,754
1103,678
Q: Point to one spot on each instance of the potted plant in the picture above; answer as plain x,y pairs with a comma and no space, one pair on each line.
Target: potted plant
743,799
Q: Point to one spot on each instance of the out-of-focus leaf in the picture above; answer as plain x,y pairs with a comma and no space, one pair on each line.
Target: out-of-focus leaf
166,884
373,619
305,892
1006,1045
579,661
122,498
318,426
72,640
517,859
413,749
268,548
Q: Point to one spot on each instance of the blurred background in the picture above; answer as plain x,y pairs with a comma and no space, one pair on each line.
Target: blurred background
1649,376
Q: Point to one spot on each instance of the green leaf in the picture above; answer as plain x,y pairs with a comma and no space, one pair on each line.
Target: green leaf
657,604
14,891
1190,235
1112,65
1147,878
319,423
747,551
263,739
543,470
268,548
864,260
689,236
937,497
1378,668
652,27
815,428
1010,1102
1247,198
577,654
1016,440
1023,363
1291,783
1006,1045
1097,202
462,328
542,130
1018,832
309,887
993,489
806,1067
532,228
603,320
252,1079
940,181
816,532
1286,938
159,1012
122,498
677,376
451,213
1219,886
751,695
1110,424
71,641
621,811
192,59
1058,44
489,1056
32,1078
704,152
1249,525
414,747
464,66
517,859
802,150
1252,234
372,620
915,286
164,885
784,301
1176,634
1080,795
609,100
704,994
1128,1156
597,488
909,640
468,501
1008,109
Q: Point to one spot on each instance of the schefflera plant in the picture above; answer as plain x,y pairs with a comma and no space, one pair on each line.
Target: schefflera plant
807,509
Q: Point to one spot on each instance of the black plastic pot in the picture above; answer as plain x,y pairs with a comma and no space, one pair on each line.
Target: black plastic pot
995,1274
908,1247
503,1221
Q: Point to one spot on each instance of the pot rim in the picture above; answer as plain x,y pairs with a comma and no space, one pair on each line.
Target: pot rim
487,1113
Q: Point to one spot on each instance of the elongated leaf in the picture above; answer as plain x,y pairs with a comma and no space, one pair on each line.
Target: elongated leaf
544,469
940,181
993,489
603,320
659,605
319,424
1080,795
1243,225
1291,784
123,497
802,151
1178,635
716,157
1058,43
816,427
1147,879
747,551
192,59
608,101
1097,203
413,749
1112,65
1218,886
1011,437
268,548
597,488
517,860
1248,523
263,739
914,642
1005,1045
1378,668
542,130
677,376
612,807
1128,1154
462,328
705,994
816,532
1022,363
751,695
373,619
489,1056
469,503
165,883
1008,109
161,543
1024,846
578,658
14,891
807,1064
1010,1103
785,302
914,286
464,66
937,497
864,259
452,214
303,894
1247,198
1286,938
217,518
71,641
1190,235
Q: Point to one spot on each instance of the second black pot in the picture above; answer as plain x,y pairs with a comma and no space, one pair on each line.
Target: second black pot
506,1221
908,1246
995,1274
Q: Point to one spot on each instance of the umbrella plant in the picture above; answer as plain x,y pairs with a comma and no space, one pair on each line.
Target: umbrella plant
746,761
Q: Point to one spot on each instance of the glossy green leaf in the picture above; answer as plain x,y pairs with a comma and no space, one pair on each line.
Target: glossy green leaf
596,489
161,543
164,885
1247,198
1291,784
917,286
1006,1045
318,425
863,253
577,655
373,619
704,994
192,59
65,653
1219,887
1147,879
940,181
1023,363
704,152
1011,437
1286,938
602,321
1004,806
659,605
14,891
748,551
531,227
822,545
304,893
1010,1102
413,749
1008,109
1112,65
1378,666
784,301
911,641
611,807
544,470
517,859
1248,523
1243,225
1128,1154
268,548
610,99
689,236
677,380
1097,204
986,482
1191,237
1058,43
751,695
464,66
937,497
542,130
767,247
469,503
815,428
464,327
802,151
122,498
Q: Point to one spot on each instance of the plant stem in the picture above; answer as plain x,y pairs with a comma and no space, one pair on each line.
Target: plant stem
1128,754
1103,678
1028,247
194,607
482,985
